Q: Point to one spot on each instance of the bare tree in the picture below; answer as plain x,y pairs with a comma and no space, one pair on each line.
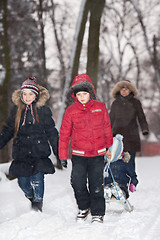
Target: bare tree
5,77
59,43
22,55
95,8
146,40
71,64
40,12
127,43
119,55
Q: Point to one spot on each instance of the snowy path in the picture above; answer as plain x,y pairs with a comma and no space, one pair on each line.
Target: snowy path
57,222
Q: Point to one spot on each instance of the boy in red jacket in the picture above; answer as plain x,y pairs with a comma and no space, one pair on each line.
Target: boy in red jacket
87,124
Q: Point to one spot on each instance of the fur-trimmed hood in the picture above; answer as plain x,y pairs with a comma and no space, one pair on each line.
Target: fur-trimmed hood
81,81
42,98
124,83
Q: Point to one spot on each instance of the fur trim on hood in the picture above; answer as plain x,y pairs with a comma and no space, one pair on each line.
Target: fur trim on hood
124,83
42,97
81,81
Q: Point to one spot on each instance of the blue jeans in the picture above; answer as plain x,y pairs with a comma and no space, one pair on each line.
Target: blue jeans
33,186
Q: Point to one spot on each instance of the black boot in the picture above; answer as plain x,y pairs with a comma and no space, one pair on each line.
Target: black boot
37,206
30,199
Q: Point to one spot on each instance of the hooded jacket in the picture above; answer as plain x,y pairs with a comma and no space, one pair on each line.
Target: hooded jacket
123,173
125,114
86,125
31,147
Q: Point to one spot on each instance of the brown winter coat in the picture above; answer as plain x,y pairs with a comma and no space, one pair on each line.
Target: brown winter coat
125,114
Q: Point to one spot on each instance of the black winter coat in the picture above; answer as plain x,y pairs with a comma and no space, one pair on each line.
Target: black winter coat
122,173
31,148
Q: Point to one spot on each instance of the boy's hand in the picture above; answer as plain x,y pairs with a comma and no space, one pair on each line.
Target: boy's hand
108,153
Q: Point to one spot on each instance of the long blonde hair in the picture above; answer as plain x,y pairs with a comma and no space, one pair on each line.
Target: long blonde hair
18,117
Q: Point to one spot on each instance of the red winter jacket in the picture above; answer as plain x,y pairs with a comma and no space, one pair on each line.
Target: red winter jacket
88,127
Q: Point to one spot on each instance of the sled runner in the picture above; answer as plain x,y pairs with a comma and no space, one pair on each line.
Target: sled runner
117,195
114,192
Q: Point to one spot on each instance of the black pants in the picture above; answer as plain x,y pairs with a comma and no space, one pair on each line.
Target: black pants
87,183
132,159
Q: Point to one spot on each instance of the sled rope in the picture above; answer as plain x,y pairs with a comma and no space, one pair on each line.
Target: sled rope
112,177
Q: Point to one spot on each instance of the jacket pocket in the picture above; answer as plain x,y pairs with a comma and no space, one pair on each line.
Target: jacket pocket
97,119
41,148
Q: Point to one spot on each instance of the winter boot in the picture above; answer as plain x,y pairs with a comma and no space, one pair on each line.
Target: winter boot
82,215
97,219
37,206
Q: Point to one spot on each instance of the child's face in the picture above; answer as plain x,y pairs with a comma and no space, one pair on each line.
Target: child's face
83,97
28,96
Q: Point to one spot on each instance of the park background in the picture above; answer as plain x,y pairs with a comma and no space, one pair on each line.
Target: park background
54,40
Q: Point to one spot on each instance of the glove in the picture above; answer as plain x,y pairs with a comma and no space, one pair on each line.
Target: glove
64,163
58,164
145,132
132,188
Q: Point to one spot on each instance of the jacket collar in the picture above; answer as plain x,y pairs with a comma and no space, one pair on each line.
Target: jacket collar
85,106
123,99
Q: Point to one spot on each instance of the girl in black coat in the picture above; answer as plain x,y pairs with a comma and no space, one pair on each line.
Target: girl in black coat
32,128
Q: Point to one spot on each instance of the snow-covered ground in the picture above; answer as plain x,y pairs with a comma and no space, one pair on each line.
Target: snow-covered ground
57,222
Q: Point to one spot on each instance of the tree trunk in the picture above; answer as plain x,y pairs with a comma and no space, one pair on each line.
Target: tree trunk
4,153
80,40
40,16
96,8
74,61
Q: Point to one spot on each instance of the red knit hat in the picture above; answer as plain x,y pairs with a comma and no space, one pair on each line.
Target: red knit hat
31,84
